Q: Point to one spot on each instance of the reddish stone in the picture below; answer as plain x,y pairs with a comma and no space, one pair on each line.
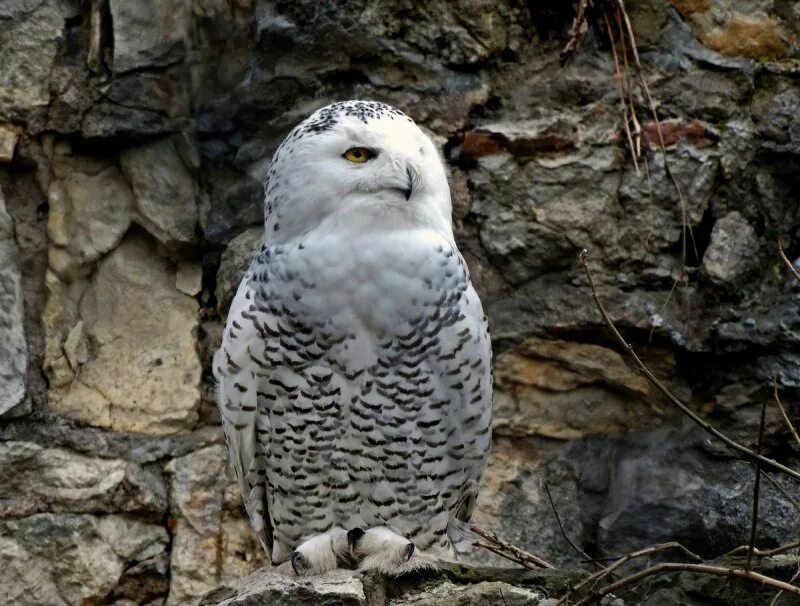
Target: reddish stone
695,133
477,144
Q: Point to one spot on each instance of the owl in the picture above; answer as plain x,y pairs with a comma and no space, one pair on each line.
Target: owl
354,375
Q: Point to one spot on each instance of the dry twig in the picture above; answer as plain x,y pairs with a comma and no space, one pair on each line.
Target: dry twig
698,568
672,397
605,572
786,419
766,552
789,264
572,543
780,591
508,551
756,486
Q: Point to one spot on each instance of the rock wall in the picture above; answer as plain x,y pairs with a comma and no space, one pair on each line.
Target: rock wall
134,138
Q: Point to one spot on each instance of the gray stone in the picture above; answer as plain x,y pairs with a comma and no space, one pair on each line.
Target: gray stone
449,584
13,348
64,559
149,33
29,39
338,588
140,104
692,589
35,478
206,506
165,192
730,254
235,261
662,487
480,594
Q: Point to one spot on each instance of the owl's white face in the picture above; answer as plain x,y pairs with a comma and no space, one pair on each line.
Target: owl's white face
356,165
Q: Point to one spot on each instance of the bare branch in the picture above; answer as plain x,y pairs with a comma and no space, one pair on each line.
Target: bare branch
786,419
780,592
756,486
605,572
508,551
767,552
670,396
623,105
697,568
789,264
574,545
577,31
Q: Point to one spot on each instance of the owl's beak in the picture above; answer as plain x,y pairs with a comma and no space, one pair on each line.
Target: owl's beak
410,187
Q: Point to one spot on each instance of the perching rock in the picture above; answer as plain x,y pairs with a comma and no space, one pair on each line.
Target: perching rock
339,588
449,585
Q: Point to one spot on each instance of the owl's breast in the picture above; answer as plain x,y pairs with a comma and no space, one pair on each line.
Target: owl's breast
376,280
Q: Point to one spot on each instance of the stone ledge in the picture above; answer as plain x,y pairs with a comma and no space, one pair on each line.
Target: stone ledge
450,585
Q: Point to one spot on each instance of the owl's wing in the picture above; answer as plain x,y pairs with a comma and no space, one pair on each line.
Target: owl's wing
246,432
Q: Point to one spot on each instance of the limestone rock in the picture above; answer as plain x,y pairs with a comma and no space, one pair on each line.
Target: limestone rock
8,142
235,260
189,278
730,254
148,33
142,373
91,208
64,559
165,191
13,347
35,478
203,511
754,29
567,390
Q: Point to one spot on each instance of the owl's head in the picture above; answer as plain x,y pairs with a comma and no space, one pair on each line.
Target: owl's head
356,165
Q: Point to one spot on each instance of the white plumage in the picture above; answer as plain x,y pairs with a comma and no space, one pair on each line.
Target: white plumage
355,371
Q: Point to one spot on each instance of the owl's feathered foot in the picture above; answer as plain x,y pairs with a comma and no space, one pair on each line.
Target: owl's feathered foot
321,553
383,550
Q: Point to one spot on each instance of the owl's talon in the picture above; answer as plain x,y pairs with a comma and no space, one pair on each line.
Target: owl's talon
322,553
354,536
297,558
386,551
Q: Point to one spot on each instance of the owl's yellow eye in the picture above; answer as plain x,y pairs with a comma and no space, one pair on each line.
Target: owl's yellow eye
359,155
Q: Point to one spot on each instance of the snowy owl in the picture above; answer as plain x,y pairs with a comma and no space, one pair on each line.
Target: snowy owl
355,380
